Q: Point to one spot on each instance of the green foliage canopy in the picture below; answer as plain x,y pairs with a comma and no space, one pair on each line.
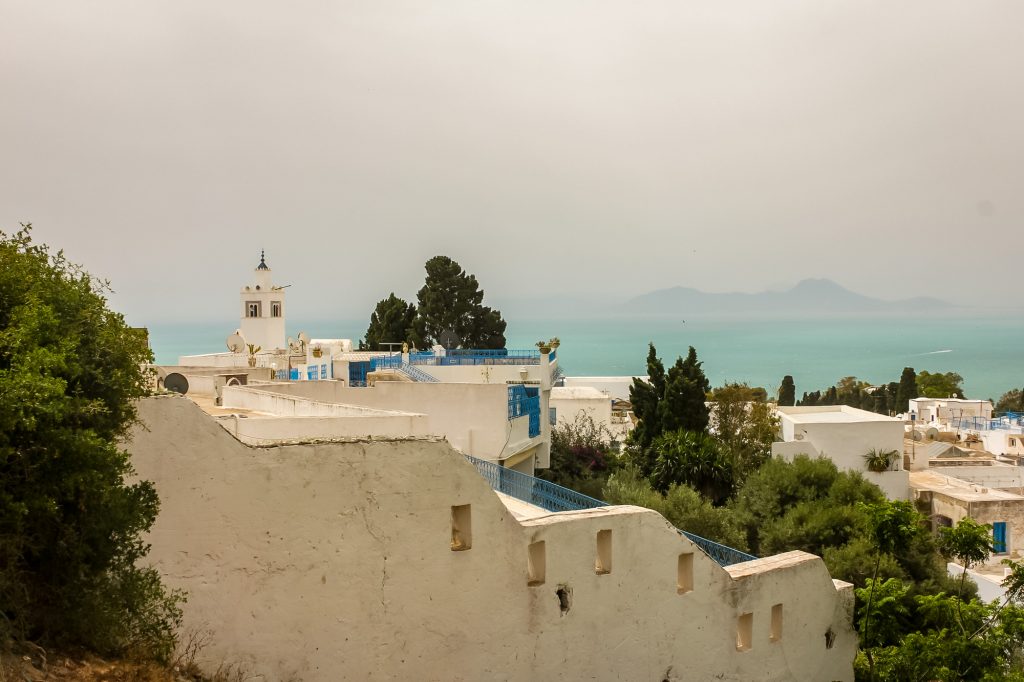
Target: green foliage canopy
393,321
70,526
451,301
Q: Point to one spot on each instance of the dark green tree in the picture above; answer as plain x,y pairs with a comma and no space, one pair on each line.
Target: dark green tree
940,384
71,523
645,396
1011,401
683,405
907,390
787,392
451,301
744,427
695,459
393,321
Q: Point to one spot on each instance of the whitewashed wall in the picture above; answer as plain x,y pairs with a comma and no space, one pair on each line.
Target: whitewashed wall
334,562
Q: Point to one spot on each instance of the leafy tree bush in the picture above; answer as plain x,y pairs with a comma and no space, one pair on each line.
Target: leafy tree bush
695,459
940,384
393,321
1011,401
581,456
680,504
451,301
744,428
71,527
669,401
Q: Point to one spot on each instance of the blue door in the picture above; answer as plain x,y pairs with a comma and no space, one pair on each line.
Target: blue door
999,537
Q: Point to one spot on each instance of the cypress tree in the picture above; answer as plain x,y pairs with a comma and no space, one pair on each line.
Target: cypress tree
787,392
907,389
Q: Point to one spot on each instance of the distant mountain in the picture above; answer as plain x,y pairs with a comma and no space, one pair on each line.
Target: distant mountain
811,296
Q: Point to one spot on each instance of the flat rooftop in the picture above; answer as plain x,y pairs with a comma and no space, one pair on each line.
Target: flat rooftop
957,488
578,393
832,414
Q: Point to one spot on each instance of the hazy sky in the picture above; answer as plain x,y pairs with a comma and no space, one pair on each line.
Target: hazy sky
555,147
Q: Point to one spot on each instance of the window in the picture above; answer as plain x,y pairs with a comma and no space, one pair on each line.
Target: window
744,632
462,528
603,563
536,564
1013,441
999,537
553,417
684,573
776,631
252,309
275,309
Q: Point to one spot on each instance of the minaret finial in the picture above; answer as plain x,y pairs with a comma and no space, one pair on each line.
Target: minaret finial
263,261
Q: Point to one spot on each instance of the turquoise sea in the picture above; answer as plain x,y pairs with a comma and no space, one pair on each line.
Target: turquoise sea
988,353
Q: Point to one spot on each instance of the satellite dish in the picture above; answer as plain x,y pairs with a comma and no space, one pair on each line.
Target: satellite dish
236,343
294,345
304,339
176,382
449,339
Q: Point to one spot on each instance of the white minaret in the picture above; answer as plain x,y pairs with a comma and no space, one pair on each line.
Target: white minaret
263,310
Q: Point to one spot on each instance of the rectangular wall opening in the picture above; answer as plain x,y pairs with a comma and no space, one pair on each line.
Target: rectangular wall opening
536,564
744,632
776,631
603,563
684,573
462,528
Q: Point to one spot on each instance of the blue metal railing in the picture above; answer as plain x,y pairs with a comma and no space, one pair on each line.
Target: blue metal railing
471,356
1009,420
416,374
535,491
556,498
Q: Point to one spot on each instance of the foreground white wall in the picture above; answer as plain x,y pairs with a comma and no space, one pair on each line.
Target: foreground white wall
334,561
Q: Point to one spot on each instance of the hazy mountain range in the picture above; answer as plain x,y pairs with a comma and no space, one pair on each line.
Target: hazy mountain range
811,296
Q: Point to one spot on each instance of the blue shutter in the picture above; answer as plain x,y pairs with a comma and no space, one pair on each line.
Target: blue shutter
999,536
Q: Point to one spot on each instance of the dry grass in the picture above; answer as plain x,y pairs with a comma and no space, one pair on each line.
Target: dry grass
27,662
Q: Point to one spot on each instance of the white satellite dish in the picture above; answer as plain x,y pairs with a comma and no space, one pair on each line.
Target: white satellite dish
236,342
304,340
294,346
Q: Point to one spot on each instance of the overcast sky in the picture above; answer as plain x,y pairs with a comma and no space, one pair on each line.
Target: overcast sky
551,147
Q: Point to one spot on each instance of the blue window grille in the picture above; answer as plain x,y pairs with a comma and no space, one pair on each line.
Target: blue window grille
999,537
311,372
524,401
281,374
357,373
323,371
294,374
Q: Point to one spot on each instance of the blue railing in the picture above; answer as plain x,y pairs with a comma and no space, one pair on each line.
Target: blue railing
417,374
470,356
1009,420
555,498
535,491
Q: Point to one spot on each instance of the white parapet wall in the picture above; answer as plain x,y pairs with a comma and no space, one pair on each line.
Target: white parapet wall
395,560
271,417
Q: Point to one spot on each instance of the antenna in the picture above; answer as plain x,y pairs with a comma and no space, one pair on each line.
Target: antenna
236,342
176,382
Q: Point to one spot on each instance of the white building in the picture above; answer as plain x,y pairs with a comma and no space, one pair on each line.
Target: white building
489,404
845,435
262,310
944,410
394,559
